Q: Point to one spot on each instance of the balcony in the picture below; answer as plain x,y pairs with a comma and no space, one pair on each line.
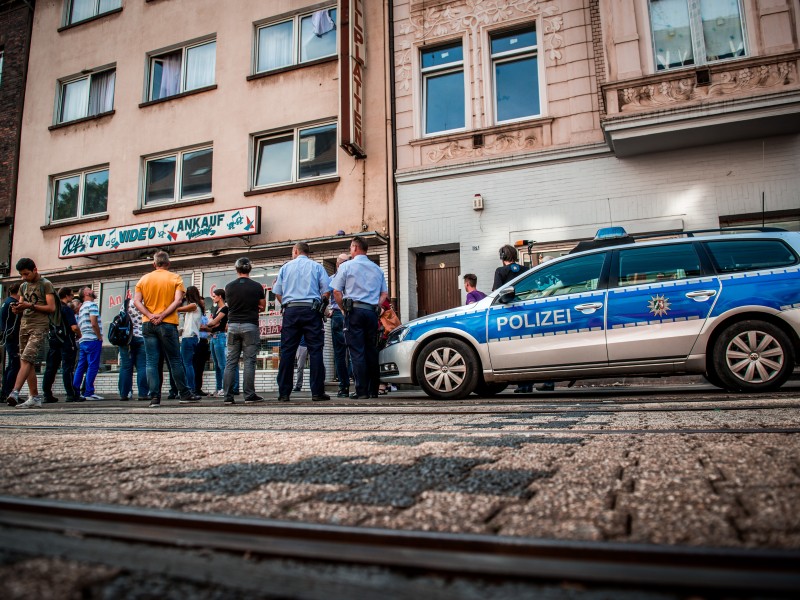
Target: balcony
709,104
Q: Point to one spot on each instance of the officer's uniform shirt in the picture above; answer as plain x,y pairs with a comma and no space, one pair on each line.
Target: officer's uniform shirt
333,305
361,280
301,280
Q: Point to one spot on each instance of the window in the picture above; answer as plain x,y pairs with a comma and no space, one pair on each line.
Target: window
182,70
86,96
80,194
571,276
297,155
750,255
695,32
655,264
277,44
80,10
443,88
515,69
178,176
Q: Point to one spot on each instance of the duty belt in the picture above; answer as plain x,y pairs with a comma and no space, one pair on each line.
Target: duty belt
372,307
299,304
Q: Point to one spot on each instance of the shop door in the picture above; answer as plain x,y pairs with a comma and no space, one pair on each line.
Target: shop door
437,282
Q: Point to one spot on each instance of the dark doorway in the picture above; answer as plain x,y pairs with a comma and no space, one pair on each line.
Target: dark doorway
437,282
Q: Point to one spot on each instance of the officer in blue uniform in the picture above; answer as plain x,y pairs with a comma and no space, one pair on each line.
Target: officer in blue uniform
359,287
300,287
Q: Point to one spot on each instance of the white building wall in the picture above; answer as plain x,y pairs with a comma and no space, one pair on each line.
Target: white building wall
570,199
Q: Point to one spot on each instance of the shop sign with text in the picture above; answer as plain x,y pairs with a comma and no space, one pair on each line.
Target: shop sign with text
352,55
198,228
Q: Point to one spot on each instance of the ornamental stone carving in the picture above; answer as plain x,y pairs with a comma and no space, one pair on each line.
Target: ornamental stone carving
500,143
736,81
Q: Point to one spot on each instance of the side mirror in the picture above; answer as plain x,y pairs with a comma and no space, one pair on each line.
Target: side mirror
507,295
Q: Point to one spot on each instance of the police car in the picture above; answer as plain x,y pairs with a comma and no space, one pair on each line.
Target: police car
726,306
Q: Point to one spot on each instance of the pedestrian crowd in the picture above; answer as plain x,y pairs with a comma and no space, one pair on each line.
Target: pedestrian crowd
152,333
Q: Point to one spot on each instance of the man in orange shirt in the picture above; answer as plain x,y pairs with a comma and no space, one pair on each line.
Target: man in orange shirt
158,295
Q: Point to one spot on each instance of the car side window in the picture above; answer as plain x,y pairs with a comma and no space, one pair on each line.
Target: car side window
571,276
654,264
736,256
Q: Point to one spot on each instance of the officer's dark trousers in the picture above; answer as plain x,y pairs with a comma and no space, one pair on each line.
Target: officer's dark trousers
298,322
361,332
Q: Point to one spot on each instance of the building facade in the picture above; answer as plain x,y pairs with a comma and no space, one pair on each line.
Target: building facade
16,18
207,132
535,123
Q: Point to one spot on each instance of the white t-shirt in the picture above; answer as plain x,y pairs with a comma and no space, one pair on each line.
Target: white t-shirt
191,323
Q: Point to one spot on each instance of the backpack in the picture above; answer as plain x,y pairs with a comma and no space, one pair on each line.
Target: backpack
57,328
120,331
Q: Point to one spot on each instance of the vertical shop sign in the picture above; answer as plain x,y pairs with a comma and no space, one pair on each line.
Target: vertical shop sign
352,54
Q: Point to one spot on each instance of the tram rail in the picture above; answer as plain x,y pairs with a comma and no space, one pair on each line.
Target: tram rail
657,567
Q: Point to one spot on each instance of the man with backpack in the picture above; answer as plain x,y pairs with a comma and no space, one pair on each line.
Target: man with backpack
63,349
126,332
91,344
9,335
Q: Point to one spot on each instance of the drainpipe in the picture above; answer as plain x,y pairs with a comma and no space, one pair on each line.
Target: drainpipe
392,197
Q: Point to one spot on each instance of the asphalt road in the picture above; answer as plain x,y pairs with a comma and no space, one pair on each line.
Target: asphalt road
686,466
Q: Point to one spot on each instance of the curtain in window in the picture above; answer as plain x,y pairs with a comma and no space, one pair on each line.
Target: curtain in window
74,100
200,64
322,22
82,9
170,74
101,92
672,36
107,5
722,29
275,46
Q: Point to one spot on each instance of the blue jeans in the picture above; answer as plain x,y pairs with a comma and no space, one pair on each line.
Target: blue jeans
188,346
340,350
11,368
219,350
160,339
131,356
243,338
88,364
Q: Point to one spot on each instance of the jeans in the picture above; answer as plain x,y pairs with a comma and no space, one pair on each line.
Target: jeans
11,368
219,349
340,359
301,322
88,364
301,357
243,338
63,356
201,354
158,339
188,346
130,356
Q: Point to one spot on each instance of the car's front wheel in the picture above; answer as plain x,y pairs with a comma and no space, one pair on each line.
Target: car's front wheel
447,369
752,356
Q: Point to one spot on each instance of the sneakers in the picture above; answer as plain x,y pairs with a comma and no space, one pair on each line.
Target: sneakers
50,399
155,403
13,398
254,399
229,400
94,397
32,402
343,393
297,389
220,394
320,398
190,399
75,399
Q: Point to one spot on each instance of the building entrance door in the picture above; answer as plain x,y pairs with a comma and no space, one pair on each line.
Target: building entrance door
437,282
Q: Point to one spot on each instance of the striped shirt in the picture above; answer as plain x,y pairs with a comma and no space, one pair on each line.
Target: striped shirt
88,309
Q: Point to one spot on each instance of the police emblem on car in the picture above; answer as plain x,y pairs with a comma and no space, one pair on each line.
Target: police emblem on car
726,306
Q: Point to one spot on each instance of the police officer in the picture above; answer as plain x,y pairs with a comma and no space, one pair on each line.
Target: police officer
359,287
300,287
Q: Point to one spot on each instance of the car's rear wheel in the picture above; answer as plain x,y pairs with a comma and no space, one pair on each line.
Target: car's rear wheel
447,369
487,390
752,356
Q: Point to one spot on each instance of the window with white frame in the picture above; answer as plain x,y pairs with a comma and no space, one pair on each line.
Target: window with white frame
183,69
515,74
80,10
79,194
696,32
86,96
300,39
295,155
178,175
443,88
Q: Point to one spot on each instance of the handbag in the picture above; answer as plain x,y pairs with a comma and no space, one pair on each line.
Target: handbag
389,320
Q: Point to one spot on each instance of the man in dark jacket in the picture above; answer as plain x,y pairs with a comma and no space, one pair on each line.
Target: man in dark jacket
9,326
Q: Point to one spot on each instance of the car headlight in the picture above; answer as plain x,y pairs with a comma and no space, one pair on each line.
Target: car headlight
397,335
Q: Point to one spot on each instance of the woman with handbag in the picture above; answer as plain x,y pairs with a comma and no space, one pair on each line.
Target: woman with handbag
387,322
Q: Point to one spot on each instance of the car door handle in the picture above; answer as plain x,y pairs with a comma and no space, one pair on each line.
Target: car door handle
701,295
589,307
